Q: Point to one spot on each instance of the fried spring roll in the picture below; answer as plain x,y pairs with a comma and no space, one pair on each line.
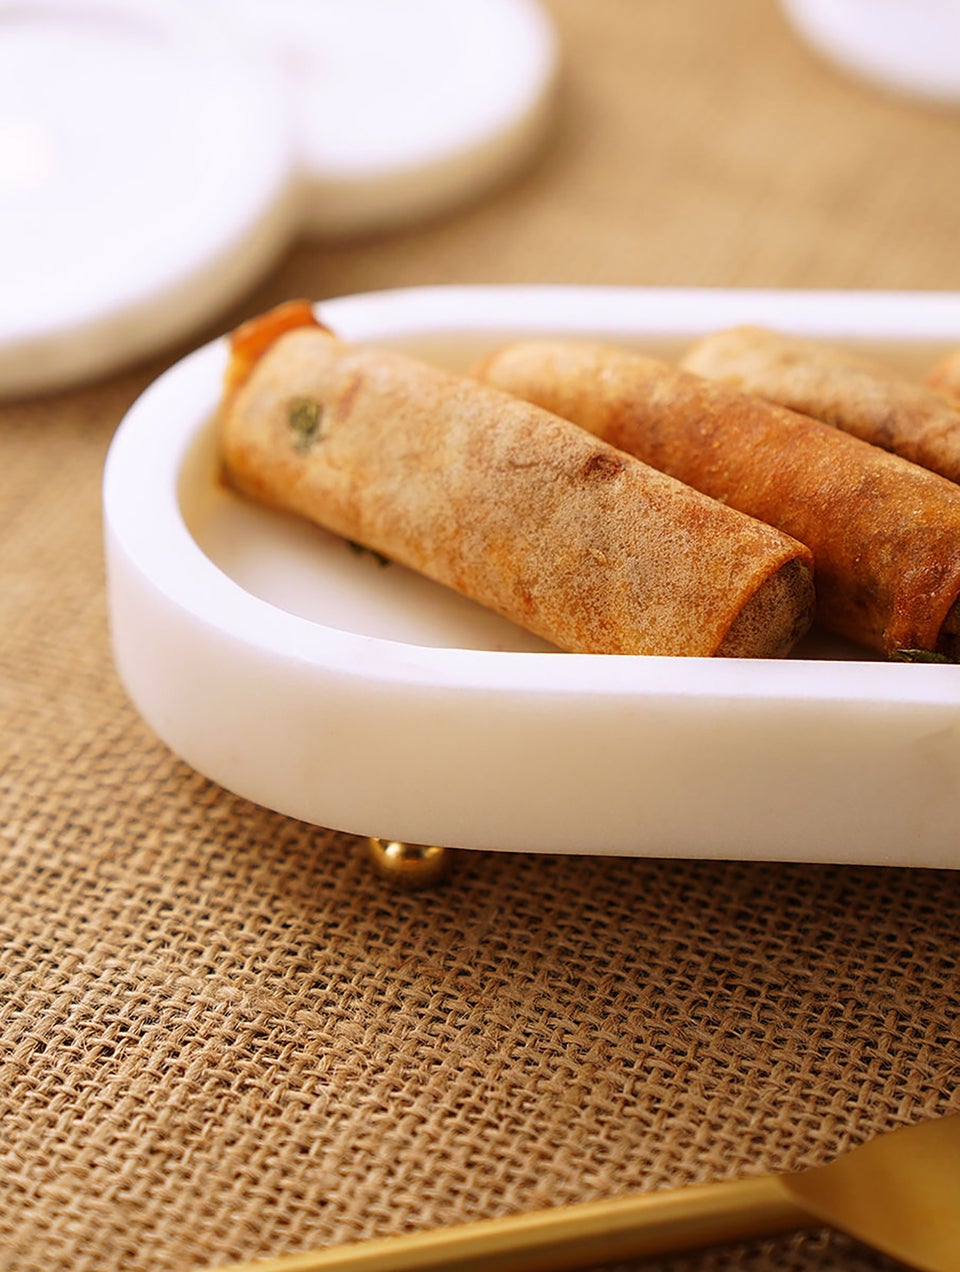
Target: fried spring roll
945,376
852,393
885,534
506,503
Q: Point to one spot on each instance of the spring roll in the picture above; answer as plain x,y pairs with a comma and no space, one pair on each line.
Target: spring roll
944,377
852,393
506,503
885,534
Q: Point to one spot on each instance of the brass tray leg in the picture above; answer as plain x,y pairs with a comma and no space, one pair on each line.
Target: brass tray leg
409,866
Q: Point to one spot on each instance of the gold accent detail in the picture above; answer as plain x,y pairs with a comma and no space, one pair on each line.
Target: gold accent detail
897,1193
409,866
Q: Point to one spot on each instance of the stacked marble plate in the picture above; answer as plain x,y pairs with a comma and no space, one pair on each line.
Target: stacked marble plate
910,47
156,156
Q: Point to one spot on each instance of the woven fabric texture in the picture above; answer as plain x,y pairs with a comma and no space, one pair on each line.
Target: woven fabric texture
221,1035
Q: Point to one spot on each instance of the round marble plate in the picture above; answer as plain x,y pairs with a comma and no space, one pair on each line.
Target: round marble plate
145,179
404,108
156,158
907,46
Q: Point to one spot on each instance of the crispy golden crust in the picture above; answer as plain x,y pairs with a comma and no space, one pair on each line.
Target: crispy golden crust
945,377
507,504
251,340
855,394
885,534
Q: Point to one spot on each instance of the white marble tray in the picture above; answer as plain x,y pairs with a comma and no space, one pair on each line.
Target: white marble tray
312,680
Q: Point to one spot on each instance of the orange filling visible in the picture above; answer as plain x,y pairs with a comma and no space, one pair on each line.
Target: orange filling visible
252,339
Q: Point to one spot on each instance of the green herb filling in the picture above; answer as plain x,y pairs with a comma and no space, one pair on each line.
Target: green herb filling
305,415
918,656
361,550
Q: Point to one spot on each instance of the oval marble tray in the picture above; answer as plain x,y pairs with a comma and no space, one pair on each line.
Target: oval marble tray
312,680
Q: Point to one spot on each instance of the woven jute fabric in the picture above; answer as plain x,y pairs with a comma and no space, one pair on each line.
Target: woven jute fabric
222,1036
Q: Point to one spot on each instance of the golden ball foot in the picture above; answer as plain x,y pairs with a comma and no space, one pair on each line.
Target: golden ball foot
409,866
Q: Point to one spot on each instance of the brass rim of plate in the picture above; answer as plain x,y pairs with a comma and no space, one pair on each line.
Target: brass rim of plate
409,865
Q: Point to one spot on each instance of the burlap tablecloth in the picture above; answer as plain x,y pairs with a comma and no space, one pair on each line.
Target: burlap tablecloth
223,1036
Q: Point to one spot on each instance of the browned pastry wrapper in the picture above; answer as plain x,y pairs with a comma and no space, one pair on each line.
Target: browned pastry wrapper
508,504
944,377
852,393
885,534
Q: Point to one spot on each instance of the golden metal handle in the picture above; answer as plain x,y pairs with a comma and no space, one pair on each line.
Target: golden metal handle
583,1236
